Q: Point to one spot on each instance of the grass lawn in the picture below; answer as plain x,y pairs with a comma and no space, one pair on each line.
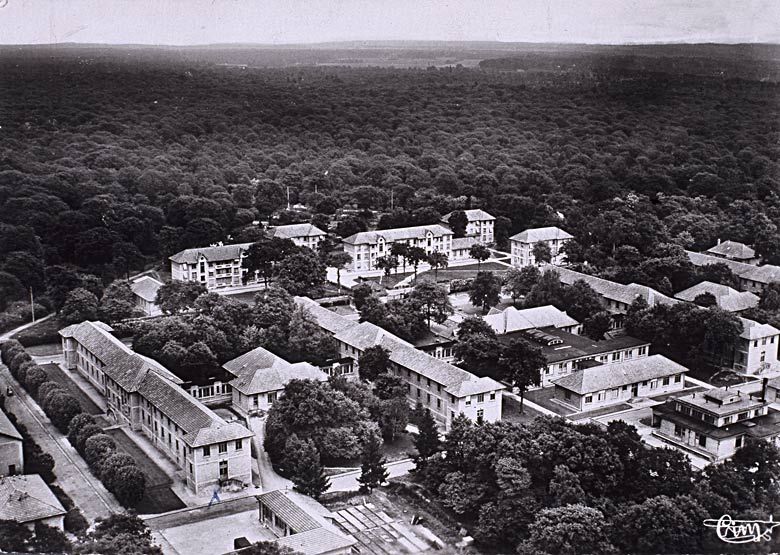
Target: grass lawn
56,374
401,448
42,333
543,397
510,412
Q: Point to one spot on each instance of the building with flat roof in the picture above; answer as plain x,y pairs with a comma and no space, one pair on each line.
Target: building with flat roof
216,267
365,247
566,353
726,298
27,499
261,377
438,385
303,235
11,454
609,384
512,319
144,395
715,423
522,245
145,293
302,524
480,225
734,250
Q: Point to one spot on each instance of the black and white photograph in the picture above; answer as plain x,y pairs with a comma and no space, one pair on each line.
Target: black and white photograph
389,277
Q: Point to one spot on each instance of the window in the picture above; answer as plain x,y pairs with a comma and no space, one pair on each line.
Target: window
492,395
223,447
615,356
468,402
239,444
438,403
678,378
223,469
567,394
727,420
588,398
480,414
428,398
190,468
666,381
738,442
272,397
419,392
743,415
702,440
481,398
207,451
678,430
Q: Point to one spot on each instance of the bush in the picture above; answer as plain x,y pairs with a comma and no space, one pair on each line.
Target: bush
33,379
18,359
49,539
86,432
8,349
76,425
21,373
61,408
111,467
97,449
47,388
75,523
130,486
18,313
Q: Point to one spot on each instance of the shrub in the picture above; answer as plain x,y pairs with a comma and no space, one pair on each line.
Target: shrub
20,373
97,449
61,409
49,539
75,523
76,425
111,467
8,349
18,359
86,432
46,388
37,461
130,486
33,379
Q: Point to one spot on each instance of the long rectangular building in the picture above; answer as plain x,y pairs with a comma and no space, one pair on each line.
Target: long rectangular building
439,386
365,247
142,394
751,277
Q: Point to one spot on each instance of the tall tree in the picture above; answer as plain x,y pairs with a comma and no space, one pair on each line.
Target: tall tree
480,253
520,282
438,260
414,256
458,222
541,252
372,466
179,296
427,441
338,260
521,364
373,362
485,291
433,300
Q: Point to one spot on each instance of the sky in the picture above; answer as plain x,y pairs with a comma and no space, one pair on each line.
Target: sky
190,22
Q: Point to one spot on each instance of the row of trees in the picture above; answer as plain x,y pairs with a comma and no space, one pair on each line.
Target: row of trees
551,487
118,472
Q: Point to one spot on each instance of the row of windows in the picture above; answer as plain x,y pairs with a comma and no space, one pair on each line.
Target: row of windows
614,393
223,447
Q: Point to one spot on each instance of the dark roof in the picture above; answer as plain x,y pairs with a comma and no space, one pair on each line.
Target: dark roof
726,297
766,273
762,427
315,542
283,504
7,428
575,346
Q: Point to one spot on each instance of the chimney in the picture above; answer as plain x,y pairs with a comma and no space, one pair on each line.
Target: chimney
718,240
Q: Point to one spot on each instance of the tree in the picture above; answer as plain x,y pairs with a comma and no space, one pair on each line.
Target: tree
480,253
547,291
80,305
26,267
33,379
61,408
84,434
109,470
179,296
118,303
568,530
14,536
392,416
97,449
458,222
49,539
541,252
437,260
659,525
414,256
520,282
486,291
360,293
565,487
301,272
372,466
10,288
120,533
386,263
427,441
373,362
400,251
597,325
521,364
307,474
129,486
432,299
338,260
76,424
580,301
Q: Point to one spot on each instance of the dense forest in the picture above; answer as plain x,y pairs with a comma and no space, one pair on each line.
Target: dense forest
108,164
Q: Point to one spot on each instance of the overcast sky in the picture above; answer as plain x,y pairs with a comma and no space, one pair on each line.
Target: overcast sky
183,22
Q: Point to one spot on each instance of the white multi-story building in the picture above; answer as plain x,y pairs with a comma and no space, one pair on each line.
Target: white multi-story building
303,235
438,385
756,350
365,247
215,267
522,245
145,293
480,225
142,394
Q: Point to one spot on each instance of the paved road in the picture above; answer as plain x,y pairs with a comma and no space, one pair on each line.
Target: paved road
269,479
8,334
349,480
72,472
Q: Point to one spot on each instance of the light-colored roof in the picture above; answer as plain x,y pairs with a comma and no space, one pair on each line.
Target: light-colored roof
472,215
27,498
733,250
366,334
292,231
398,234
727,298
317,542
463,243
512,319
541,234
287,506
752,330
762,274
212,254
146,287
612,290
618,374
7,429
326,319
261,371
766,273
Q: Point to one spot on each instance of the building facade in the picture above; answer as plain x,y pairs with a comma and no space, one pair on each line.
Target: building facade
512,320
715,423
11,455
616,383
144,396
726,298
751,277
145,293
303,235
365,247
215,267
522,245
480,225
756,349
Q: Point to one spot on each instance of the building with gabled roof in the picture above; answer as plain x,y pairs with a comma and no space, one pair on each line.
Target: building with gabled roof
145,292
756,350
512,319
734,250
216,267
727,298
302,524
609,384
144,395
261,377
303,235
27,499
11,453
751,277
461,248
480,225
365,247
522,245
438,385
